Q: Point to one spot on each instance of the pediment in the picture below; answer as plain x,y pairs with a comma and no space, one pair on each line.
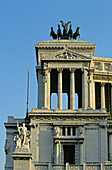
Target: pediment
66,54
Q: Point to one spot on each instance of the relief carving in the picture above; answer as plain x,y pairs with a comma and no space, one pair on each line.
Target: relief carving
108,67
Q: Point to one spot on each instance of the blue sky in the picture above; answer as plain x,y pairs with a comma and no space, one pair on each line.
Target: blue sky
25,22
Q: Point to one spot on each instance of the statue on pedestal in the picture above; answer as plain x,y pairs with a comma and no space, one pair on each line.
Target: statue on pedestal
23,139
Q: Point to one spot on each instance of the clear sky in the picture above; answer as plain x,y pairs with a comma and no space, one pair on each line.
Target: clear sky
25,22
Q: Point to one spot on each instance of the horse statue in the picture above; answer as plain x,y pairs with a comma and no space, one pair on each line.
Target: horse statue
53,34
70,32
59,34
76,34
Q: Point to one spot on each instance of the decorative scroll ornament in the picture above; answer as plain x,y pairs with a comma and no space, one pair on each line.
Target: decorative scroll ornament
23,139
67,34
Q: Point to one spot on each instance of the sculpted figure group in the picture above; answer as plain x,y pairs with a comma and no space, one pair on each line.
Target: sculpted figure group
23,138
67,34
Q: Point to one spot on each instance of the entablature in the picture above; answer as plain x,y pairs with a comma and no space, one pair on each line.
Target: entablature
68,139
102,78
102,64
47,49
66,115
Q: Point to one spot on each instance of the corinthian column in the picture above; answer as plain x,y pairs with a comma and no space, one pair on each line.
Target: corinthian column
89,81
48,90
111,100
72,88
45,89
103,95
60,88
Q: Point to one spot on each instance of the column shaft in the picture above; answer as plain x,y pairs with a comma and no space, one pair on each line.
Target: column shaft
102,95
94,98
57,153
84,89
48,90
60,88
110,147
89,81
71,131
72,89
45,90
111,99
65,131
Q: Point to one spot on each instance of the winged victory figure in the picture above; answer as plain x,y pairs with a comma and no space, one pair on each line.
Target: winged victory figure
65,26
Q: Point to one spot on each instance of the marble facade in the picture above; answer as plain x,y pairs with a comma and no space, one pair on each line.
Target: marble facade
72,138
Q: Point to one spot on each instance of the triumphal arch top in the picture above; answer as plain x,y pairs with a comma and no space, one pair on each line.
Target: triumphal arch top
78,136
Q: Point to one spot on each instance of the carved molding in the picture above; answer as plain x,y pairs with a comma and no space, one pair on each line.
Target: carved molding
102,77
67,118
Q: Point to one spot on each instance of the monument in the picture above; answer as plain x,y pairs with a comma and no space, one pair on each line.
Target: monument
72,138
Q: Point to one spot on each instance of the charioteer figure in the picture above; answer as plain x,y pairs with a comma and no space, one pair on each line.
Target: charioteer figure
65,30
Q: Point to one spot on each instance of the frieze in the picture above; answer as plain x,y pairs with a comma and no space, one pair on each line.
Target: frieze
102,77
66,65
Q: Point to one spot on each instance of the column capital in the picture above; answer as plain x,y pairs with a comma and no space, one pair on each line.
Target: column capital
102,84
49,70
88,81
60,69
72,70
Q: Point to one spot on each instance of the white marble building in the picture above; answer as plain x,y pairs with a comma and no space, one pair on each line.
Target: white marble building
72,138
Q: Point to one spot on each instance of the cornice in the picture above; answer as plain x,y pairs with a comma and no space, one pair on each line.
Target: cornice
62,43
102,59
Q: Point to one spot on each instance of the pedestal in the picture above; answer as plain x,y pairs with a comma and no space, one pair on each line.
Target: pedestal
22,159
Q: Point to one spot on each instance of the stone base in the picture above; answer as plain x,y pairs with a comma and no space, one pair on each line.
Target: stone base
22,159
